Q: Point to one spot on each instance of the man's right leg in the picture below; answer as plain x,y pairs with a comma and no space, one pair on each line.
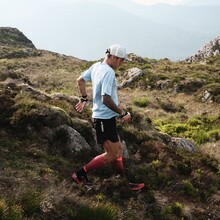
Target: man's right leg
112,152
95,163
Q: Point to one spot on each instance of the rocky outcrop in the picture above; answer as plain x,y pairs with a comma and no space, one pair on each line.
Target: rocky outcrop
212,48
130,76
189,85
210,93
29,111
14,44
12,36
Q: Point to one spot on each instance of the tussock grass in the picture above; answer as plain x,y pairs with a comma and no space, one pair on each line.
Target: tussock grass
35,178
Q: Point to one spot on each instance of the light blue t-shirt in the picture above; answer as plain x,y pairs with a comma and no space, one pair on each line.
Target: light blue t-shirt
103,83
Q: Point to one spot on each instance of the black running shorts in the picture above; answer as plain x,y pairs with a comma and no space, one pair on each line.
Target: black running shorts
105,130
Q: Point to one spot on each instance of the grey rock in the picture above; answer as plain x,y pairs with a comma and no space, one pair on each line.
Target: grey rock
130,76
125,153
76,142
182,143
163,84
212,48
207,97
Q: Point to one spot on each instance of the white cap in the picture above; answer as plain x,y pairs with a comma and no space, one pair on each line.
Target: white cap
118,51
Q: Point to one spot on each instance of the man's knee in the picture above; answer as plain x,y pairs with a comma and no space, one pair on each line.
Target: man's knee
112,156
113,150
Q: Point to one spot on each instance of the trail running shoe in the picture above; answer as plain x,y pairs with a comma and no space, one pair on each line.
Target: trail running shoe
136,186
80,179
77,179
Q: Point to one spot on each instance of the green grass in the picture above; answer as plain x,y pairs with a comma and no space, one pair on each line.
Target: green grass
201,129
141,102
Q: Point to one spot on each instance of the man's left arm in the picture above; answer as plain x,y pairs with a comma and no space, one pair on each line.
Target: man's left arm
108,101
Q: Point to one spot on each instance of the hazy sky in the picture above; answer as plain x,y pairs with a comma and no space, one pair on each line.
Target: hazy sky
151,2
178,2
26,15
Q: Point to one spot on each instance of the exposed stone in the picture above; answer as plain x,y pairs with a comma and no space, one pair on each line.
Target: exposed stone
125,150
210,93
181,143
76,142
189,85
130,76
60,96
212,48
207,97
163,84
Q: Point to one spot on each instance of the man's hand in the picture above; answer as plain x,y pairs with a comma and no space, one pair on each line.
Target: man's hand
81,105
126,117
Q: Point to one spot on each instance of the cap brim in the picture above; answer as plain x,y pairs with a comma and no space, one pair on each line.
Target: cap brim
127,59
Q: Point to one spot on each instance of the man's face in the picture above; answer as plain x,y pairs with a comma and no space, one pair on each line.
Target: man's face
118,62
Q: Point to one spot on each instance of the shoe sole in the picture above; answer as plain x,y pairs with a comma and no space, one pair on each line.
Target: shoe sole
75,178
136,186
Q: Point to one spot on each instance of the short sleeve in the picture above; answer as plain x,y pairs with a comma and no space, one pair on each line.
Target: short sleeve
107,84
86,75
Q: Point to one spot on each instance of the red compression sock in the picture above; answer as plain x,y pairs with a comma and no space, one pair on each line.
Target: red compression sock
95,163
119,166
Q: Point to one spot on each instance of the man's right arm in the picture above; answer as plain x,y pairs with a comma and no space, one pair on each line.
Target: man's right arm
82,86
83,100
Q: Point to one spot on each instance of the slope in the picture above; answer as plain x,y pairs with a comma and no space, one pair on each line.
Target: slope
37,153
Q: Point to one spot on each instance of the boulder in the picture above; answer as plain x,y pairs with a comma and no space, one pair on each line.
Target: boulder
210,93
130,76
74,142
182,143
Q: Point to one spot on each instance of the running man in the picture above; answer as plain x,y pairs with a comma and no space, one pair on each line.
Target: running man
104,112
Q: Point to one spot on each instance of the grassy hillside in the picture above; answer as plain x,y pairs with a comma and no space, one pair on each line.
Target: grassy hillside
38,93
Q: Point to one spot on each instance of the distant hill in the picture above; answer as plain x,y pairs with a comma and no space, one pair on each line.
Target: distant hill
85,29
164,37
203,21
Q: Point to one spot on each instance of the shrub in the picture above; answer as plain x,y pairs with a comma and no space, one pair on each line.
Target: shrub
12,212
172,209
174,129
30,202
184,168
200,137
3,207
200,129
214,134
141,102
188,189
